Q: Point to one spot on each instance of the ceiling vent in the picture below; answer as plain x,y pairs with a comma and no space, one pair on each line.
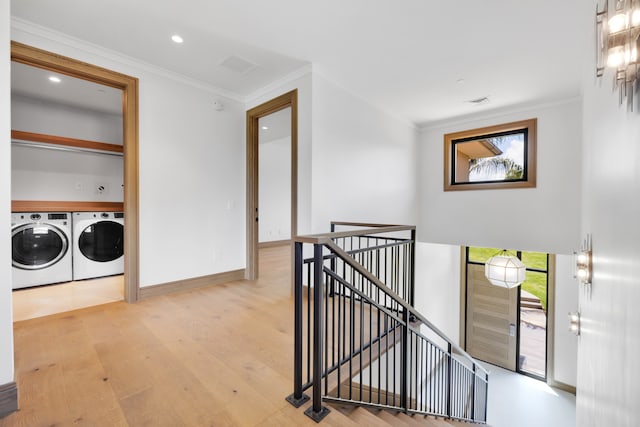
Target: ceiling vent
237,64
479,101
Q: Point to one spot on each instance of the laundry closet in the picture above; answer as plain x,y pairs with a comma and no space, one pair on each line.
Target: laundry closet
67,192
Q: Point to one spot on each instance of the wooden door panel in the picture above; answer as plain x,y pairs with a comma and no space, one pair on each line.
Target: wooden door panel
491,310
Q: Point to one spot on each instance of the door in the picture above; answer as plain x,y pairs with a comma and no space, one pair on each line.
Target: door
492,316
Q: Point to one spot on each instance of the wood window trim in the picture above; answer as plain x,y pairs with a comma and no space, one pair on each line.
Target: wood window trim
39,58
65,141
530,182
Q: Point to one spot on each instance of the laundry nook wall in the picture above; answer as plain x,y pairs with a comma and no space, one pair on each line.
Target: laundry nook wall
53,174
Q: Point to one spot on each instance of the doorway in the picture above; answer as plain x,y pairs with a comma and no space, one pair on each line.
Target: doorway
510,328
274,176
61,65
286,101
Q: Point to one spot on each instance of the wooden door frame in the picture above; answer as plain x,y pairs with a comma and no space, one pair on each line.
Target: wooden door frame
39,58
289,99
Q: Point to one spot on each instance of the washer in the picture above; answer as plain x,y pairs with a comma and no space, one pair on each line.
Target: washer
98,244
40,248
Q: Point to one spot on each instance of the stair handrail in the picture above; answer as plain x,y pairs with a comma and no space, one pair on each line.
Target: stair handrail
326,240
348,259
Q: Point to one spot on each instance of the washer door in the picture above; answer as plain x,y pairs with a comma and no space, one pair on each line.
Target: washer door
102,241
37,246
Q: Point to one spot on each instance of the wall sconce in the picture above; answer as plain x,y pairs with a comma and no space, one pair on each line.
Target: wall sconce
574,322
505,270
584,265
617,44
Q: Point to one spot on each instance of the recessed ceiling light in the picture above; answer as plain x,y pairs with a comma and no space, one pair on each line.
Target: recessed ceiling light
265,127
177,39
54,79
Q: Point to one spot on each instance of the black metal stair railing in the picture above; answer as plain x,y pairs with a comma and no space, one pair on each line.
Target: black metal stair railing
359,341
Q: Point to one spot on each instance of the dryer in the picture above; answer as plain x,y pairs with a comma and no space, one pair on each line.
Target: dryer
98,244
40,248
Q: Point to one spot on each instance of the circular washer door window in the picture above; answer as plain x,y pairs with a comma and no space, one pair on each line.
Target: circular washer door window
102,241
37,246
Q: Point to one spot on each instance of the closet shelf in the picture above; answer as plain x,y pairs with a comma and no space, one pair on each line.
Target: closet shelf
64,206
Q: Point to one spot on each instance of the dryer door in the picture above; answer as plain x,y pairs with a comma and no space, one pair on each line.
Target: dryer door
37,246
102,241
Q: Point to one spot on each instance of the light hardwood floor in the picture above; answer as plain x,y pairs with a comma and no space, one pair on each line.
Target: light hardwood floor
216,356
45,300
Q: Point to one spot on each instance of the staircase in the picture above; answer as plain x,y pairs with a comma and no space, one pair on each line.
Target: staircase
362,348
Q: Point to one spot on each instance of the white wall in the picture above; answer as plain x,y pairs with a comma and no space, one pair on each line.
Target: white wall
6,316
608,385
42,116
438,286
275,190
566,343
43,174
364,161
191,166
540,219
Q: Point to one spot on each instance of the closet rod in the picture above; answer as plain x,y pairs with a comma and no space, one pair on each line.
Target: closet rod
63,148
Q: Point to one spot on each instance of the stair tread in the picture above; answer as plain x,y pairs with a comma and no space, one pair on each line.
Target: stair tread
364,417
394,419
412,420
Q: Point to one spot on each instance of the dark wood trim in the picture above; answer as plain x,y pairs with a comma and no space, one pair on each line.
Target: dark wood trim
289,99
8,399
196,282
129,85
69,142
274,243
530,124
60,206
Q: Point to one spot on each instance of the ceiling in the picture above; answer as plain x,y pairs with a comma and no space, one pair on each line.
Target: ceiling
34,83
274,126
420,60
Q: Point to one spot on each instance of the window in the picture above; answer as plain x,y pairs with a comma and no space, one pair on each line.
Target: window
502,156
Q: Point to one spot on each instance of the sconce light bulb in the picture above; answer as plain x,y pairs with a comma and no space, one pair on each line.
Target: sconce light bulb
618,22
635,17
582,258
582,273
616,56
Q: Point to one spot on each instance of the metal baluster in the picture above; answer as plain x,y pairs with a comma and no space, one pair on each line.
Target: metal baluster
317,412
297,399
404,363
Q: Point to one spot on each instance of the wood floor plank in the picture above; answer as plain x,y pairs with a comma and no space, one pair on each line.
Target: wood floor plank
217,356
